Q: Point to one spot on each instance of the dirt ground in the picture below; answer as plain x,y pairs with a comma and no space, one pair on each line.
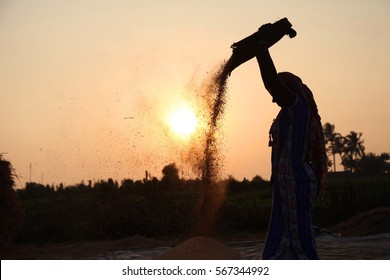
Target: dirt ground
366,236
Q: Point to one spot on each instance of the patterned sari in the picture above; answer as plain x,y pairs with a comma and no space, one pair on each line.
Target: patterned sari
298,167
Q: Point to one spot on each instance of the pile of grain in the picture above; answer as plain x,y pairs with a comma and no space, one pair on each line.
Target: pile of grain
376,221
200,248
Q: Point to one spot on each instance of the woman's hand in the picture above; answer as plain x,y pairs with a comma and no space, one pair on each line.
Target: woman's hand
269,34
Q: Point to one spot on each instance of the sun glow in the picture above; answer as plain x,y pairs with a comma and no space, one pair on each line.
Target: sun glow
183,121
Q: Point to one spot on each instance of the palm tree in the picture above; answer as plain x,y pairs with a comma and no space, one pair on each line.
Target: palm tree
353,150
334,142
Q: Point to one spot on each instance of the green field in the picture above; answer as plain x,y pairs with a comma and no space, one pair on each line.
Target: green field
107,210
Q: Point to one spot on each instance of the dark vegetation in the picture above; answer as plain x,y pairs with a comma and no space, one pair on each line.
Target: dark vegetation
108,210
349,195
10,210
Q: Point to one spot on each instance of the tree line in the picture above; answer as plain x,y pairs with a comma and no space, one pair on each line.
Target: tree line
170,180
350,148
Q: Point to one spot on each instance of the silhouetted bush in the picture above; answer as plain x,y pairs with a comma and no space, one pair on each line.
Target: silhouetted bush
10,211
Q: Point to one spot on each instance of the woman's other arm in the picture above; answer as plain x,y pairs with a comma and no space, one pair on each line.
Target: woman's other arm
281,94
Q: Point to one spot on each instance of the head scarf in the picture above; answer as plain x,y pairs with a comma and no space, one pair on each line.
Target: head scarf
317,151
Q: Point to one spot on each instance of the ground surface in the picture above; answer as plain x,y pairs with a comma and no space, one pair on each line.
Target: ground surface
366,236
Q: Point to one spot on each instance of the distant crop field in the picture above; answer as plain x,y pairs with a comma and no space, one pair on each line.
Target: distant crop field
111,211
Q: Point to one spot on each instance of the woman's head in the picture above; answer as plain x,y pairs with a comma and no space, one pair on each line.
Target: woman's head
292,81
295,83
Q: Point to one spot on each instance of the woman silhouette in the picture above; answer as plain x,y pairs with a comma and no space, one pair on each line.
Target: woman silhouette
299,163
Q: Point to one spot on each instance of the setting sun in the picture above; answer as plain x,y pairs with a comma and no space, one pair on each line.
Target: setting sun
183,121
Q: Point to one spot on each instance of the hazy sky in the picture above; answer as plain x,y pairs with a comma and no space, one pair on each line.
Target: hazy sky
86,86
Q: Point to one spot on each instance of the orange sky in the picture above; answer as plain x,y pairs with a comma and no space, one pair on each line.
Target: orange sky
73,72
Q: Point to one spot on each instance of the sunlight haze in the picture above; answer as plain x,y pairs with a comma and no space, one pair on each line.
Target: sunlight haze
86,86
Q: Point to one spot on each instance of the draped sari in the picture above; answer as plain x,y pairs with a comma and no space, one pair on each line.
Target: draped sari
298,169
